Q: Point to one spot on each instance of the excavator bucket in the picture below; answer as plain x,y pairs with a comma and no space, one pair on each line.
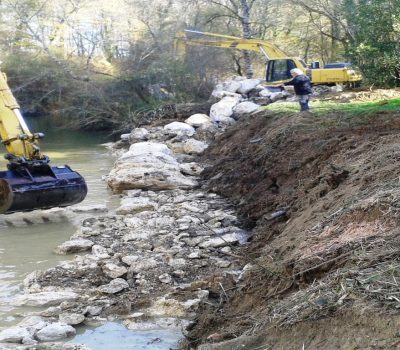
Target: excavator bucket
26,189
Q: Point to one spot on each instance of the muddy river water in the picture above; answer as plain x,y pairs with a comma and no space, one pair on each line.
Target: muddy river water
26,248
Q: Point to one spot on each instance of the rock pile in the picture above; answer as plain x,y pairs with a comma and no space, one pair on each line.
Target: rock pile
239,96
167,248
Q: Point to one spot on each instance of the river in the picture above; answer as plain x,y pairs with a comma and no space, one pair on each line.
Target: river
25,248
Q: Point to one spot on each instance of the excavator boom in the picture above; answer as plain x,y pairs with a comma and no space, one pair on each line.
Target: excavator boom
195,38
30,182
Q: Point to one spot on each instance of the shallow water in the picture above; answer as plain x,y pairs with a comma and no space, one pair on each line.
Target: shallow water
28,247
114,336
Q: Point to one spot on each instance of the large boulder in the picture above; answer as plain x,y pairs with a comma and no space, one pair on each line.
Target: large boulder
139,134
74,246
150,166
71,318
192,146
248,85
198,120
15,335
245,108
136,205
229,85
218,95
178,128
223,109
44,298
55,331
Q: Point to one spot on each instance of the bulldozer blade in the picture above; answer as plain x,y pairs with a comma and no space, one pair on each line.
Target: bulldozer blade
27,190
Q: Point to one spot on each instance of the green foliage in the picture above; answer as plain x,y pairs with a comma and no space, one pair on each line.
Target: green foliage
96,101
374,45
353,109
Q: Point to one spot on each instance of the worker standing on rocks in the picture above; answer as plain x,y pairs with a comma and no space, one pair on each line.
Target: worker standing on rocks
302,88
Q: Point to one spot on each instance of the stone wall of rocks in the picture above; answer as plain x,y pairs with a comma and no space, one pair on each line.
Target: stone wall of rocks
169,247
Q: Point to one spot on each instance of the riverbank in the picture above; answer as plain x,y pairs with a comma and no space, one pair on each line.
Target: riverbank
235,228
168,248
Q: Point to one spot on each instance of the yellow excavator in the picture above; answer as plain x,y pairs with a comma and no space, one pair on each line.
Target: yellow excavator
30,182
278,65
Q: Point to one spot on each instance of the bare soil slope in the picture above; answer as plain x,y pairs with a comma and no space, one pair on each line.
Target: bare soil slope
322,197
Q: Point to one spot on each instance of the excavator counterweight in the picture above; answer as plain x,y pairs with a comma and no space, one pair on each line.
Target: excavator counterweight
30,182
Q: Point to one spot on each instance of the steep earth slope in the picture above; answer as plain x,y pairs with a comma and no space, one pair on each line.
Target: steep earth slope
321,195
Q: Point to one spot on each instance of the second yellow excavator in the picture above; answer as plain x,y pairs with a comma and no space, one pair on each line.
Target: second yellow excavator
30,182
278,65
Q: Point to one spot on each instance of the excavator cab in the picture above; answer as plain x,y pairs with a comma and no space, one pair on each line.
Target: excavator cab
31,182
279,70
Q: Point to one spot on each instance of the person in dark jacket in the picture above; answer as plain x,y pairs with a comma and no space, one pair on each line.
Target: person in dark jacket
302,88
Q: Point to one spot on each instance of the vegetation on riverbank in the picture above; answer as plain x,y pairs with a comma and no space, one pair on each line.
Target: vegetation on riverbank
100,65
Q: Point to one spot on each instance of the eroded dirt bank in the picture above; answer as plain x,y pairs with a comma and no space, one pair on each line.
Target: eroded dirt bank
322,197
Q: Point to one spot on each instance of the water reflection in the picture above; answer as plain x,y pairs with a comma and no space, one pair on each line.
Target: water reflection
114,336
25,247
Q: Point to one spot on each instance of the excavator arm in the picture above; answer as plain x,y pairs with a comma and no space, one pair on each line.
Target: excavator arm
30,182
195,38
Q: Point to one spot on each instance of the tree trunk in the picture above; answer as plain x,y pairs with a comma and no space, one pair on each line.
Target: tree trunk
247,34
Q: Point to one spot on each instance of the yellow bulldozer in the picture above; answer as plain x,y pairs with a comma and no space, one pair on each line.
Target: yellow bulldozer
278,63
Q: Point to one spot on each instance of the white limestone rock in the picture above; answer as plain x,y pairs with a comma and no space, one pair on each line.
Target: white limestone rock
228,85
55,331
222,241
71,318
275,96
225,122
125,137
192,146
15,335
100,252
139,134
143,265
130,259
223,109
93,311
74,246
198,120
179,128
44,298
167,307
133,222
148,165
265,93
113,270
165,278
219,95
245,108
33,323
136,205
115,286
248,85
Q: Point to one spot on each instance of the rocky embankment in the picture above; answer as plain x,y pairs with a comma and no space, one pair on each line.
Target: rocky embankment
167,249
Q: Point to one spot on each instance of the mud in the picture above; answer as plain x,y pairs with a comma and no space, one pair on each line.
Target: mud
321,197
